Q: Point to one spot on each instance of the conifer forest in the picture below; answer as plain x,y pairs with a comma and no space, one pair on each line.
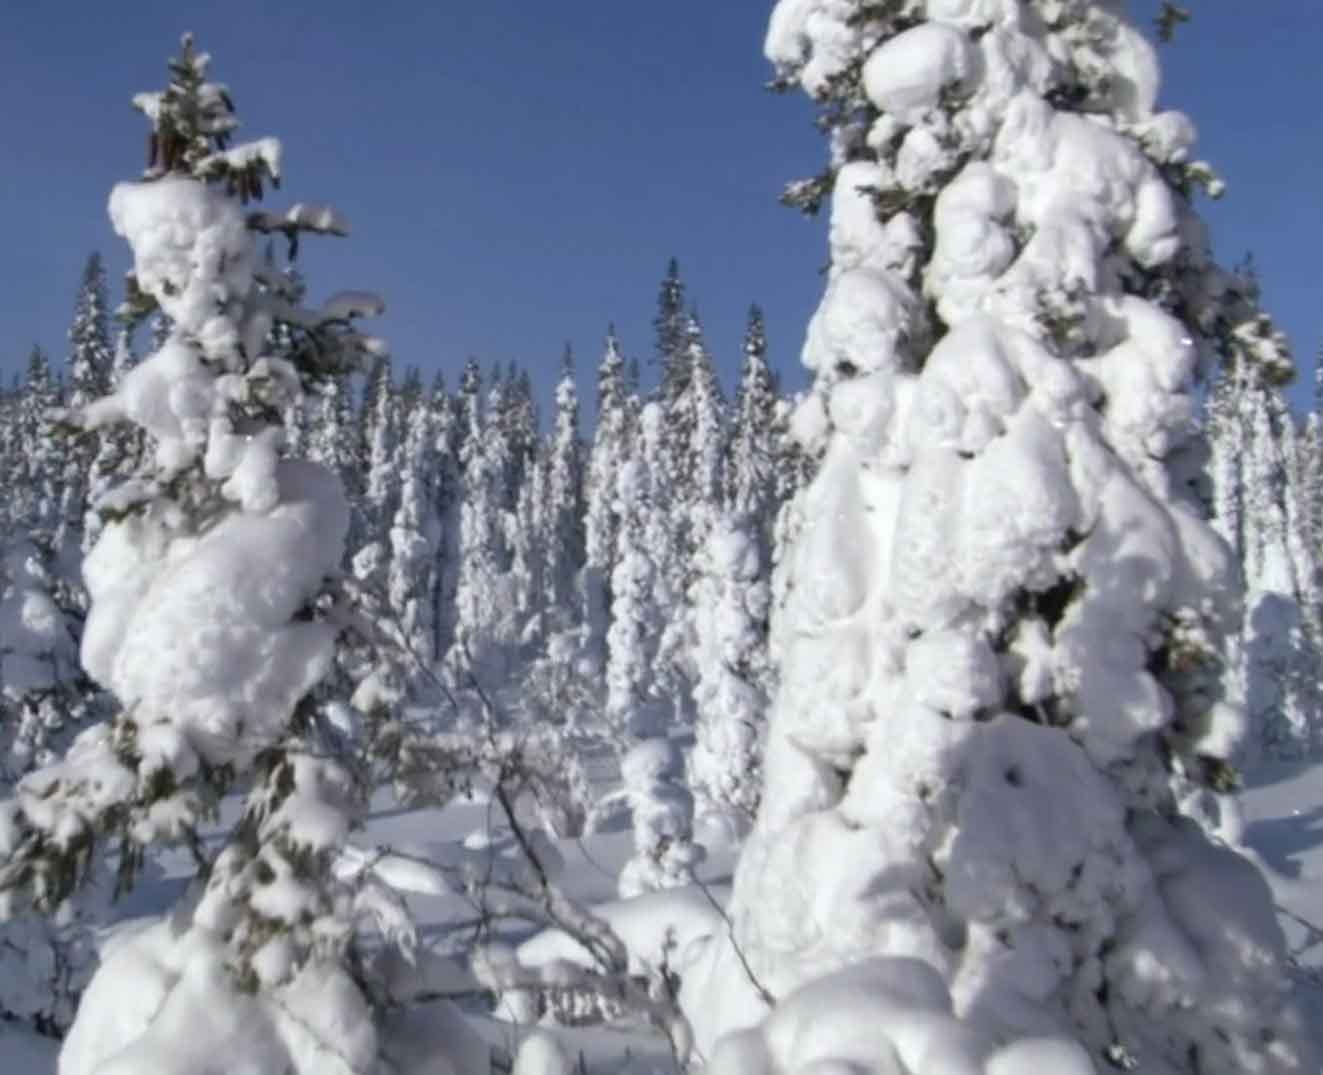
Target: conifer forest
959,712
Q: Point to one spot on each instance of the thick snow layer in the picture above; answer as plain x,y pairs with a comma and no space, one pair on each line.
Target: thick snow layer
192,251
812,32
663,927
908,74
200,636
164,1003
884,1017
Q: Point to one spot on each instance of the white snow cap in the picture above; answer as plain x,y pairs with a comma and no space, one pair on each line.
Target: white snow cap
201,636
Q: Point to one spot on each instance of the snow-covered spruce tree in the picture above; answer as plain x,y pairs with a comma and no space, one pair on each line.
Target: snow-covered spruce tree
565,508
632,701
119,449
1225,429
381,485
692,439
90,361
661,811
209,621
666,600
446,506
669,324
44,699
1001,652
562,682
610,448
413,536
381,437
519,419
486,615
702,414
1257,479
1311,486
332,439
730,600
530,549
40,456
750,456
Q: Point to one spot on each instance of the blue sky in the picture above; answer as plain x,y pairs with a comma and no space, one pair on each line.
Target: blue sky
517,172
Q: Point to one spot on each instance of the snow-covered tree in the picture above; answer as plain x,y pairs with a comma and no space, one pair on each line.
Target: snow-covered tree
662,812
700,418
40,458
413,536
119,449
519,420
1258,494
631,642
530,548
1001,655
486,615
749,471
91,355
610,449
564,491
730,601
211,622
44,700
381,435
332,432
670,328
445,490
89,370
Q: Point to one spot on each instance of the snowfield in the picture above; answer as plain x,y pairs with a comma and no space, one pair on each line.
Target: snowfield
1280,816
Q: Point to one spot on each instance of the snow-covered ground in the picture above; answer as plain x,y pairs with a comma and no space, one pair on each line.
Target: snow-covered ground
1283,827
1282,808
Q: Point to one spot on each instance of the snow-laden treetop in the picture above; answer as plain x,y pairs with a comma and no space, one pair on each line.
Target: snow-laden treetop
207,586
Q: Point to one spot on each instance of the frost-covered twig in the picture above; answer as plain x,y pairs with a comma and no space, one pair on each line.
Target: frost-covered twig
764,994
612,980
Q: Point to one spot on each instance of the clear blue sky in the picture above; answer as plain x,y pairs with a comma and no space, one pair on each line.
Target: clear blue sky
517,173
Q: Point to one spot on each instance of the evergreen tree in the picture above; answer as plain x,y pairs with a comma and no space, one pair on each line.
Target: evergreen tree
90,354
520,422
1257,485
414,535
1001,661
44,700
610,449
119,448
446,488
486,614
731,602
749,471
41,457
631,698
89,368
381,485
381,440
670,325
701,414
208,620
565,507
530,549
